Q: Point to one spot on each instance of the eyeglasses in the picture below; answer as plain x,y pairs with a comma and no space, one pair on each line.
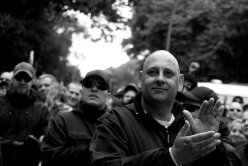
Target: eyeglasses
190,107
20,77
91,84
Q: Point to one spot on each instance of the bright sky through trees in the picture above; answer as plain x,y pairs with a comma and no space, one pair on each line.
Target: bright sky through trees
88,55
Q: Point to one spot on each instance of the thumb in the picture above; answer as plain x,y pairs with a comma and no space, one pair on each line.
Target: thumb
184,131
189,117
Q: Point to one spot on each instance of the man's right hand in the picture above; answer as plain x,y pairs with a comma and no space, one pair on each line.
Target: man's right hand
187,149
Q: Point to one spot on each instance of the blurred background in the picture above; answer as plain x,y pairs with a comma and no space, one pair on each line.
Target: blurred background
68,38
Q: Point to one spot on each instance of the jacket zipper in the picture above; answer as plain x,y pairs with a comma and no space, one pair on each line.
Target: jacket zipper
167,136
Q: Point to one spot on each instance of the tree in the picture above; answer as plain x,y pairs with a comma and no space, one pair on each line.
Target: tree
212,33
46,28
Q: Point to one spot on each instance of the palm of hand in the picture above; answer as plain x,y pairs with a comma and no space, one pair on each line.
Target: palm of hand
204,123
208,118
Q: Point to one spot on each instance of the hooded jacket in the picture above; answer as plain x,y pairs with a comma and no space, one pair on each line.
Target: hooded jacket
21,116
129,136
66,141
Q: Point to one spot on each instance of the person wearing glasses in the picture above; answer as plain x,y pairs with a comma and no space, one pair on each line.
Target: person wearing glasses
67,139
153,131
23,120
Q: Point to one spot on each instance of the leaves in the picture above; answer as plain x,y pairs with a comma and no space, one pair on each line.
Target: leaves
214,33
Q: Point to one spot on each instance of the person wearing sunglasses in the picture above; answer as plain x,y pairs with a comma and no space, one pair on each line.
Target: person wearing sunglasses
235,111
23,120
68,136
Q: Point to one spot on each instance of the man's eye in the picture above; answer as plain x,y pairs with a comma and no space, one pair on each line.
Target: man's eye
152,72
168,73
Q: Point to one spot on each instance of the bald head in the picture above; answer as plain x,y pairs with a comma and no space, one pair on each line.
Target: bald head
160,78
162,55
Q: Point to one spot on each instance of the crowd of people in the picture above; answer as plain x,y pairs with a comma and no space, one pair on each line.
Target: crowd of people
164,119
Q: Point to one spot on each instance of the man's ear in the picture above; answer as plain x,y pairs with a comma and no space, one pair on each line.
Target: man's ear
108,98
181,81
140,80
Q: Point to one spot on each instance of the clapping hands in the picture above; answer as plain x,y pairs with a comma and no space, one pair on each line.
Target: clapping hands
204,135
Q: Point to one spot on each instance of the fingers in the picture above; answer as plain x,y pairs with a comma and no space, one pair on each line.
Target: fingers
185,129
189,117
216,108
203,136
211,141
210,106
209,147
220,113
203,108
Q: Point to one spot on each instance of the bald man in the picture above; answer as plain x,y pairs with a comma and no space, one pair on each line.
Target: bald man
154,130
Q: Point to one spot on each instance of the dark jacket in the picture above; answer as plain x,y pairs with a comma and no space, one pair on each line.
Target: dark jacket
66,141
21,116
128,136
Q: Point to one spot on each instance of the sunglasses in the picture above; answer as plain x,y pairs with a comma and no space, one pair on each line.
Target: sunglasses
20,77
91,84
190,107
232,109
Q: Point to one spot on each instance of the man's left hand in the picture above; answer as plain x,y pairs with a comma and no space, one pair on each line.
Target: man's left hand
208,119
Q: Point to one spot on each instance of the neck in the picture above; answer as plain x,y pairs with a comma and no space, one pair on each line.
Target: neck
161,111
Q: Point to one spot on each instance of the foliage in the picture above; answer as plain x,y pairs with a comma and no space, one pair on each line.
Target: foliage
214,33
45,27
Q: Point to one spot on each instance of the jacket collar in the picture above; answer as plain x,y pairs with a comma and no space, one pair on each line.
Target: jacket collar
138,110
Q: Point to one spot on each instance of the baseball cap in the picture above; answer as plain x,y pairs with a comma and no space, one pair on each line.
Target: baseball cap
97,74
24,67
131,86
196,96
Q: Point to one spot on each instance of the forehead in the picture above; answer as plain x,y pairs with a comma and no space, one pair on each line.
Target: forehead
45,80
74,87
237,125
236,105
161,60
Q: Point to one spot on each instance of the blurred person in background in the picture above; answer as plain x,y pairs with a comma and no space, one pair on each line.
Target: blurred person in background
235,128
52,90
73,93
194,68
245,123
235,111
238,99
129,93
5,81
23,120
67,139
190,82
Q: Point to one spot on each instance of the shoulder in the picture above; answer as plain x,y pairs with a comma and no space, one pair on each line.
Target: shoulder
119,114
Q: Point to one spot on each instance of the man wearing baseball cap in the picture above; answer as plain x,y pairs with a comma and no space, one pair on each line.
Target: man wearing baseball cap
23,120
68,136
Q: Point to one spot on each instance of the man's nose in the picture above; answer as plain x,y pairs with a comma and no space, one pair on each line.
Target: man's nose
160,77
94,87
